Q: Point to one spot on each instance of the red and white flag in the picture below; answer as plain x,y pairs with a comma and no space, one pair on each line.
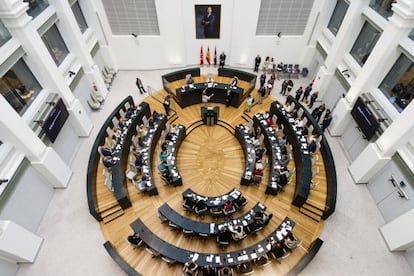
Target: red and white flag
208,55
201,55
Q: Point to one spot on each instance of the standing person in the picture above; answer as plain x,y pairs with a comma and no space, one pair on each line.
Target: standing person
284,87
299,93
326,119
262,93
229,96
257,61
289,86
317,112
308,89
166,105
234,81
313,98
249,103
265,63
222,60
204,98
209,21
262,79
140,86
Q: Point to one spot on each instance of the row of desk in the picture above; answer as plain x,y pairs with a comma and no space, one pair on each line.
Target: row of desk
191,94
328,160
118,171
242,135
150,141
213,202
172,149
272,145
232,258
300,153
207,228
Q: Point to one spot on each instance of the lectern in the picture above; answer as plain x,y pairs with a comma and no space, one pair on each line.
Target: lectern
209,115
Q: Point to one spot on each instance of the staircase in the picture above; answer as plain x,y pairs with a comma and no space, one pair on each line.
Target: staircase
312,210
111,212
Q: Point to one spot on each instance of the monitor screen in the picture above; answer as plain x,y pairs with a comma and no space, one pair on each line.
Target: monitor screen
365,119
55,121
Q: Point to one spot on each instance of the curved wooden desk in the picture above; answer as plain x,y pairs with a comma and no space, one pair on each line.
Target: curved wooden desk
249,153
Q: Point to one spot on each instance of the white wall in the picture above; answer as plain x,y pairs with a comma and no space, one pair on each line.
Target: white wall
177,47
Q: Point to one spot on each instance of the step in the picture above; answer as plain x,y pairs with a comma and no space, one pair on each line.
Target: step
310,207
113,216
106,206
310,214
110,211
316,204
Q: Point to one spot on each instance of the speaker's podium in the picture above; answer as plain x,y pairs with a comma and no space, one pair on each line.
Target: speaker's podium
209,115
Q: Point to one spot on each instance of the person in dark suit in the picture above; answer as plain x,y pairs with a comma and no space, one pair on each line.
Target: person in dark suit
222,59
313,99
299,93
326,119
262,79
209,21
307,92
229,97
166,105
140,86
257,61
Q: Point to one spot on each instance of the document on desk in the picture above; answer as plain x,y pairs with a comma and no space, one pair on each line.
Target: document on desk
212,227
260,249
195,257
253,255
209,259
217,259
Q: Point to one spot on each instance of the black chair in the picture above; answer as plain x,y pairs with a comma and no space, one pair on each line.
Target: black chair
201,208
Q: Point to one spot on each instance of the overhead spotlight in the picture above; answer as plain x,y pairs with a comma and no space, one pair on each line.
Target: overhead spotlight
279,34
369,101
134,35
382,120
71,74
40,122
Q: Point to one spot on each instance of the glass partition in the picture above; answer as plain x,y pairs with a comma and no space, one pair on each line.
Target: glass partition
36,7
398,85
364,43
19,87
77,11
383,7
4,34
337,16
55,44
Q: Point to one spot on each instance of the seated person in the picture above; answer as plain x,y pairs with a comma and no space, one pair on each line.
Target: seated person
190,268
151,123
122,123
234,81
261,218
312,145
142,184
289,107
300,124
166,176
283,140
282,180
225,271
106,151
237,232
260,165
174,129
209,271
142,130
201,204
156,116
190,80
244,268
190,201
138,161
259,153
228,206
163,155
266,115
270,122
239,202
134,239
284,159
224,235
130,112
163,166
258,172
290,241
294,114
164,146
170,136
283,150
278,249
108,162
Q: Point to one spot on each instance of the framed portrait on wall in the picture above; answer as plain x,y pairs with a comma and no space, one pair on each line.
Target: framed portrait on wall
207,21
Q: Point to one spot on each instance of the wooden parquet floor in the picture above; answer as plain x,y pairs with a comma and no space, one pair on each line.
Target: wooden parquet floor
211,162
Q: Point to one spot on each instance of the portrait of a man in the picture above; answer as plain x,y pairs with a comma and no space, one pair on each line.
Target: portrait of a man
207,19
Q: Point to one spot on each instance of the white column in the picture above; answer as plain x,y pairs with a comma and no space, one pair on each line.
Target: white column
17,22
15,131
383,56
17,244
77,44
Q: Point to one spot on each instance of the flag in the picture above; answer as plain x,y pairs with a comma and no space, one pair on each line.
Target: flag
215,55
208,55
201,55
